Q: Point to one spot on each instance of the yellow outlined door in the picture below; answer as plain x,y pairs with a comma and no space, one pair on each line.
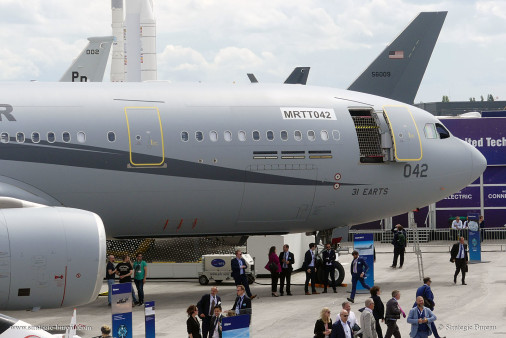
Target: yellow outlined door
145,136
407,143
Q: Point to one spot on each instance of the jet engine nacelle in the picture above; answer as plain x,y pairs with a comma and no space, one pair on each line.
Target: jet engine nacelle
50,257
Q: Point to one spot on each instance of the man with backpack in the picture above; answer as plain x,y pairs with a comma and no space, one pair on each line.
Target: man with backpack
399,242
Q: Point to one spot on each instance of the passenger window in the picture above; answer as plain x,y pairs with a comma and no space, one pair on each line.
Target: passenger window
35,137
324,135
213,136
284,135
184,136
297,135
442,131
311,135
241,135
270,135
51,137
66,136
20,137
5,138
111,136
430,131
81,137
227,135
256,135
336,135
199,136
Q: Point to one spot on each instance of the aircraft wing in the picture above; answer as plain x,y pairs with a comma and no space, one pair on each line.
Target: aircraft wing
398,71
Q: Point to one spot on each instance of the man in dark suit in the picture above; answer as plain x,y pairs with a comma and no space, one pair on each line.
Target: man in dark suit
242,304
287,260
206,308
341,328
358,270
329,258
459,256
392,314
239,267
310,267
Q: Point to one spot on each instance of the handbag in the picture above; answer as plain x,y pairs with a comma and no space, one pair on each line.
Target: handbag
273,267
355,327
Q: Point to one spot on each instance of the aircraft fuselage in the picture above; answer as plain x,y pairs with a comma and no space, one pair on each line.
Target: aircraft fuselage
156,159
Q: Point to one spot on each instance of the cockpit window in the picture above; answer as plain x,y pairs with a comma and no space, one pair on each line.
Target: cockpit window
442,131
430,131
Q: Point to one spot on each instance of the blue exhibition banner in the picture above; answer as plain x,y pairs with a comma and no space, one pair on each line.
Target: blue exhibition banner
121,301
236,326
364,244
149,316
474,246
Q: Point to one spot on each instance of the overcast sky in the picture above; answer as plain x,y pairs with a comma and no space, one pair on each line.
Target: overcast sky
222,40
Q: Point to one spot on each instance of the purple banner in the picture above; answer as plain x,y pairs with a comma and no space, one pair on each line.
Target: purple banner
488,135
494,218
468,197
444,218
495,196
495,175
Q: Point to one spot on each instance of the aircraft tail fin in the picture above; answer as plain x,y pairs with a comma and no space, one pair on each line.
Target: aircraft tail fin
298,76
398,71
252,78
90,64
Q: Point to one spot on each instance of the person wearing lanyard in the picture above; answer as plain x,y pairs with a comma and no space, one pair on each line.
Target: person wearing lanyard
242,304
287,260
419,317
206,309
460,257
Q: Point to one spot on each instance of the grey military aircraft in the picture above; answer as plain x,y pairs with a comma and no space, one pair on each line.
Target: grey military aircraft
156,159
91,62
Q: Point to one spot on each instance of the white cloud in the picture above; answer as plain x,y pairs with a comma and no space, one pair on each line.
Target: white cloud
219,41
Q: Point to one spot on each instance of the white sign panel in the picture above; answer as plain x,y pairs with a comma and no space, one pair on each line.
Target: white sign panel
304,113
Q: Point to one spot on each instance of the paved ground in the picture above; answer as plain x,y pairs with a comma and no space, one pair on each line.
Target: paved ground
476,310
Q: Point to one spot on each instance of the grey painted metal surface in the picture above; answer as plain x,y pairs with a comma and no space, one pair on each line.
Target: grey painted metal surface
157,182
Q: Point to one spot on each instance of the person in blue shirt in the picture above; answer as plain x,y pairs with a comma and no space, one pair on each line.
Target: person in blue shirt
420,318
425,292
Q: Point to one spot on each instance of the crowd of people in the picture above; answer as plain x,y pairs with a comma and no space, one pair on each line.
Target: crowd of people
125,270
374,312
420,316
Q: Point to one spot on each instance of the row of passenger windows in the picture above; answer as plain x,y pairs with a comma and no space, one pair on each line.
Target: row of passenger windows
51,137
311,135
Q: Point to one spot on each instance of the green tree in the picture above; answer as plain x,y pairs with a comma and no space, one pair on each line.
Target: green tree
482,98
445,98
472,99
490,97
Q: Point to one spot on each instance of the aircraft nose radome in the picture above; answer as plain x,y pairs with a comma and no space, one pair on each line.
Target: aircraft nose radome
479,163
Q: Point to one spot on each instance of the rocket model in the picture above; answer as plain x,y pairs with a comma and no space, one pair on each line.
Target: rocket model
134,48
